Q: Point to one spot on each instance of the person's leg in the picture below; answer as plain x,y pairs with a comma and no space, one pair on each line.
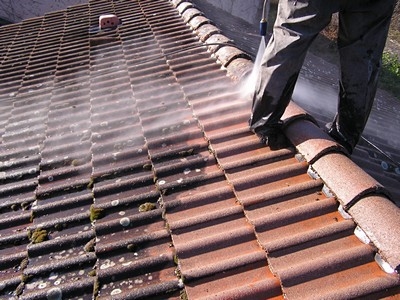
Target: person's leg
296,26
363,28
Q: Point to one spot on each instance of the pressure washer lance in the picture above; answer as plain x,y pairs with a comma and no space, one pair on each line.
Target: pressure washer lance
264,18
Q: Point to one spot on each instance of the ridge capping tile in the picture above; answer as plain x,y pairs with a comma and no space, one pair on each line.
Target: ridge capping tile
227,54
346,180
189,13
198,21
239,69
311,141
182,6
206,31
304,132
176,3
379,218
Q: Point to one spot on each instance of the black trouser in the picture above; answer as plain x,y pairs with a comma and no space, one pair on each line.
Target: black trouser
363,28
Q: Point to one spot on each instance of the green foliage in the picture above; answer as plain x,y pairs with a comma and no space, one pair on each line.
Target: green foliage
390,73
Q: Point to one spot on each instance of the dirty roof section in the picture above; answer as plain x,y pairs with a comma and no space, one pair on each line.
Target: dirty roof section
377,153
128,172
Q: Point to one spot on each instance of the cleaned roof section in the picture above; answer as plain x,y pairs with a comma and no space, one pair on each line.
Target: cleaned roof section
128,171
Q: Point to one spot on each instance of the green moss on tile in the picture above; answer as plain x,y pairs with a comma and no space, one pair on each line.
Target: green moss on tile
176,259
183,295
19,289
186,153
25,205
23,264
90,184
38,235
148,167
96,288
147,207
59,227
96,213
26,277
90,246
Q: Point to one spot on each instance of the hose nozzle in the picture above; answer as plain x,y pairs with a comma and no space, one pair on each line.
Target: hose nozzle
263,27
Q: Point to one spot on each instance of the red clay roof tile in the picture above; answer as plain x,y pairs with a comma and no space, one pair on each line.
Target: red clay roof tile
151,184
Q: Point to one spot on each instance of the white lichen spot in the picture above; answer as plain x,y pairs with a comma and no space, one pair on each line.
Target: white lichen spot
81,272
125,264
140,150
198,170
125,221
42,285
31,286
115,292
121,260
161,182
107,264
86,228
104,124
8,163
53,276
186,171
180,180
115,155
121,213
50,178
57,282
54,294
150,277
138,281
115,202
180,283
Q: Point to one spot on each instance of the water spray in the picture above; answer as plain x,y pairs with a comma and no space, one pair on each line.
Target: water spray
264,18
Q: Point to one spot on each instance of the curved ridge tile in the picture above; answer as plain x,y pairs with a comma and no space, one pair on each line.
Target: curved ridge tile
228,53
380,220
348,181
189,13
310,140
182,6
303,131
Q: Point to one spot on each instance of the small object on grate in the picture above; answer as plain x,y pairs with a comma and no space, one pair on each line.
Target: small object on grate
108,21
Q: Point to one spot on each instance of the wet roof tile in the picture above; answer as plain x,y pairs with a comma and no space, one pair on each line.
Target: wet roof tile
129,172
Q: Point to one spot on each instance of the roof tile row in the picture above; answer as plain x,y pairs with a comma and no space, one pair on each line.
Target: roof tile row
151,185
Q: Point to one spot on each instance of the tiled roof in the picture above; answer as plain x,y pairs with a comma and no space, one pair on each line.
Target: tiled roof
128,172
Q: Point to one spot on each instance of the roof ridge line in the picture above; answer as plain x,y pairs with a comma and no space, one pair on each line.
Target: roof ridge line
354,189
237,62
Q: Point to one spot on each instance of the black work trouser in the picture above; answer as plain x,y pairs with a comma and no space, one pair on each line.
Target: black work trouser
363,29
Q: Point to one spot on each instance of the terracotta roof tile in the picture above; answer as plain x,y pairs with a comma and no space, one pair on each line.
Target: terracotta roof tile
128,171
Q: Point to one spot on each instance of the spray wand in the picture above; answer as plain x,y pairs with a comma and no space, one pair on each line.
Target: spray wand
264,18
